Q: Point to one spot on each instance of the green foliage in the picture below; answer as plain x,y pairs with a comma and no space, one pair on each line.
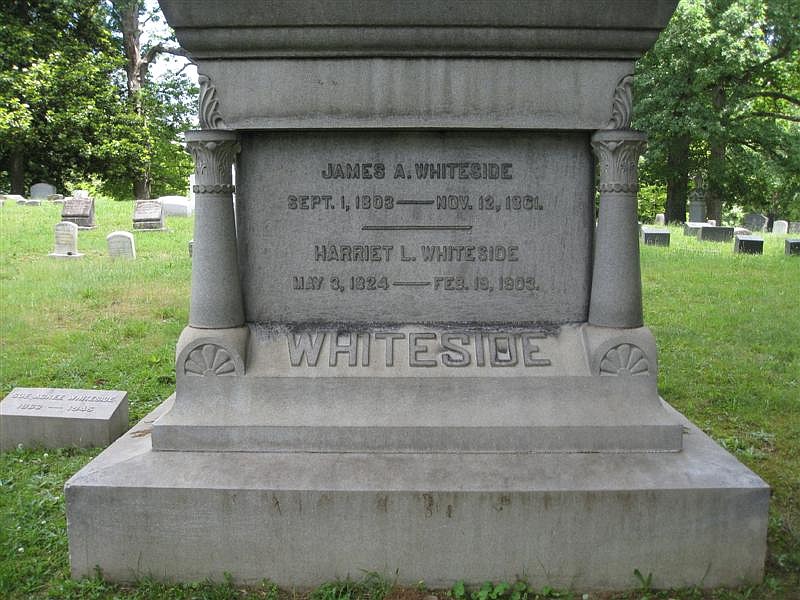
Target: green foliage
651,200
372,587
725,75
66,112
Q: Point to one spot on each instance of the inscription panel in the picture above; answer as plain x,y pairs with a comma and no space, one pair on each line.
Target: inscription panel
415,227
57,402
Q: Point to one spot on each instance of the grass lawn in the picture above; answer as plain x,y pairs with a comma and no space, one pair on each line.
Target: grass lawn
727,326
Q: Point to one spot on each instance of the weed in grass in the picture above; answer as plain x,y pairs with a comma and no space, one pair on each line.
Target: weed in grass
372,587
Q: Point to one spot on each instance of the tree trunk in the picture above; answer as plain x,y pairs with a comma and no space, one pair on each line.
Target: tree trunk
17,172
677,180
141,188
136,67
716,165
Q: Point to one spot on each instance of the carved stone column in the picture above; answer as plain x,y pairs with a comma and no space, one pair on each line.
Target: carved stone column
216,300
616,280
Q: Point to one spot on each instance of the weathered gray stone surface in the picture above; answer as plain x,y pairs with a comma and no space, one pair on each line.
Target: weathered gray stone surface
748,244
660,219
121,245
780,227
66,245
792,247
516,214
655,237
403,322
148,215
177,206
794,227
60,418
692,516
42,190
755,221
712,233
79,210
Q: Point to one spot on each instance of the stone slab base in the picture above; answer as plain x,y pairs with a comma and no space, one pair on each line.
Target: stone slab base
582,521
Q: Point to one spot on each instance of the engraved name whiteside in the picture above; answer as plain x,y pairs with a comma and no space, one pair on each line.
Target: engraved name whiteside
417,349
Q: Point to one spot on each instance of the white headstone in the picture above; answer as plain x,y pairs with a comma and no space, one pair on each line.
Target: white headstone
660,219
780,227
42,190
712,222
177,206
66,240
80,193
121,245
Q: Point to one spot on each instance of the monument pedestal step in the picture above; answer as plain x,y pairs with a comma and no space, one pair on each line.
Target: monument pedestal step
582,521
407,414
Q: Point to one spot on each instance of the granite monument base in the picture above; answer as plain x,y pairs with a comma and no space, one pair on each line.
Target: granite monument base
582,521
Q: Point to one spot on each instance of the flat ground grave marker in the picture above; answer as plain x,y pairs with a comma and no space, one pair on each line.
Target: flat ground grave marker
748,244
79,210
713,233
655,237
62,418
66,234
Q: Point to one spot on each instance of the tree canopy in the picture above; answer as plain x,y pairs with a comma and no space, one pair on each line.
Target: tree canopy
67,109
719,95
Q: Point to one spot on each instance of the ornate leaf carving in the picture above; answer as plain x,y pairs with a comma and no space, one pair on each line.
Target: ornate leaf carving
209,105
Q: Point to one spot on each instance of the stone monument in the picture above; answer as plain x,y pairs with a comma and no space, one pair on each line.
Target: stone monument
409,350
148,215
697,201
121,244
79,210
66,246
780,227
40,191
755,221
62,418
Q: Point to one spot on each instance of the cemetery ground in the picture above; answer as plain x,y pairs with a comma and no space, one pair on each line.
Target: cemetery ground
727,326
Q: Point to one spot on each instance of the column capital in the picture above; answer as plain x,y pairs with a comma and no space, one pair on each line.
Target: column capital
617,152
214,152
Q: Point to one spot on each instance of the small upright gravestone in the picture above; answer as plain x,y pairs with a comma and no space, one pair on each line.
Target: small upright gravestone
79,210
748,244
794,226
792,247
660,219
780,227
66,241
121,245
62,418
148,215
41,191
